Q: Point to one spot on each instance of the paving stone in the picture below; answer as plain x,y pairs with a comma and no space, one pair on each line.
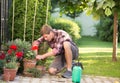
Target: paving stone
56,79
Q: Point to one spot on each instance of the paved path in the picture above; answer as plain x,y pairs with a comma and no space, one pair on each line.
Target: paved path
55,79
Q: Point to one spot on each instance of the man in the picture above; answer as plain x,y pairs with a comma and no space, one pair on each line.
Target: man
63,48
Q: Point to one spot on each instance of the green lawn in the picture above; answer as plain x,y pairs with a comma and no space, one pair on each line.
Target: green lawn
96,57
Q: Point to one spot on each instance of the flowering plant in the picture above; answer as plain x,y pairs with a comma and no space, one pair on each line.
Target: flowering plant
13,53
2,55
31,53
16,50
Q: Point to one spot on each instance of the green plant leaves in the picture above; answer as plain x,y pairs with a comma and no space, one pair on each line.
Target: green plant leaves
108,11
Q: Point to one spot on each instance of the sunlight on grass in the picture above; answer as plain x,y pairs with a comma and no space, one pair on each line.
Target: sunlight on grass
96,56
100,64
94,49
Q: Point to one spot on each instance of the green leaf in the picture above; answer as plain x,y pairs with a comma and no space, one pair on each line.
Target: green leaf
88,12
92,1
100,5
62,0
112,4
108,12
96,16
105,5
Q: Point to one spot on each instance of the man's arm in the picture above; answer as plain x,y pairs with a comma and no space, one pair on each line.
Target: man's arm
48,54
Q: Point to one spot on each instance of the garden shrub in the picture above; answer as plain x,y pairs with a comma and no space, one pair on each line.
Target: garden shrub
68,25
105,29
20,18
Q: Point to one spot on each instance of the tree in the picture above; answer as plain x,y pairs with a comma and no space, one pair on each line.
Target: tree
99,8
107,7
20,17
71,8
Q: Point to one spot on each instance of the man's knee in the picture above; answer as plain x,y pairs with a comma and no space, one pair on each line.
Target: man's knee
52,71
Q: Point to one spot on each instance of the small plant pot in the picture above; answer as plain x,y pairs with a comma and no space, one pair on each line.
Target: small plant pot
41,68
12,73
29,64
28,74
6,77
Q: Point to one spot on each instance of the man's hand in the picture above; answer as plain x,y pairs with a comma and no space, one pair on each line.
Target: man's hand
39,57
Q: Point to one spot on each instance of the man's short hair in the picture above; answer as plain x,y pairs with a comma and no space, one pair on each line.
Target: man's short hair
45,29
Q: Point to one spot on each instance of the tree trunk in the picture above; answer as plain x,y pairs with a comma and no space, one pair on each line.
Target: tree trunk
115,37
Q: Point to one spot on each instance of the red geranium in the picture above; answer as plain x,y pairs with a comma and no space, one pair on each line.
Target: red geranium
2,55
13,53
34,48
10,51
14,47
19,54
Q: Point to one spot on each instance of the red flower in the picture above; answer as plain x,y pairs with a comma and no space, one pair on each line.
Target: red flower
10,51
19,54
14,47
2,55
34,48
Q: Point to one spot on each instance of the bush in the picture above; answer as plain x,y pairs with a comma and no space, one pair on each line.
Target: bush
19,19
105,29
69,26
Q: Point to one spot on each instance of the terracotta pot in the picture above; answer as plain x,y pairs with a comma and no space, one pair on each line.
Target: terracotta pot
12,73
41,68
28,74
29,64
6,77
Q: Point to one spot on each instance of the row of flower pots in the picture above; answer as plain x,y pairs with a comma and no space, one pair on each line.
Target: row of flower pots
9,74
15,52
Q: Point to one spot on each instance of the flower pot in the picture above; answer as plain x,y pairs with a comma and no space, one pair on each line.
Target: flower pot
12,73
28,74
29,64
41,68
6,77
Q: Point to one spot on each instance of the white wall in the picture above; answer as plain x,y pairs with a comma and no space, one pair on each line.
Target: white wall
86,22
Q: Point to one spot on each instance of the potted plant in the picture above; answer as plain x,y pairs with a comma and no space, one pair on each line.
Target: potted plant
2,61
29,60
17,49
33,72
10,69
40,65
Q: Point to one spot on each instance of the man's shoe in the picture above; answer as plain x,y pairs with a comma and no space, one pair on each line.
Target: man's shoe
67,74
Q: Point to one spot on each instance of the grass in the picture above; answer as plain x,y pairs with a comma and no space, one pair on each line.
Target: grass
96,57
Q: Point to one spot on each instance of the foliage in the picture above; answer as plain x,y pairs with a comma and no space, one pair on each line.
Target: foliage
30,55
2,63
71,8
105,29
69,26
54,5
11,65
95,7
43,48
17,49
19,19
41,62
35,72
